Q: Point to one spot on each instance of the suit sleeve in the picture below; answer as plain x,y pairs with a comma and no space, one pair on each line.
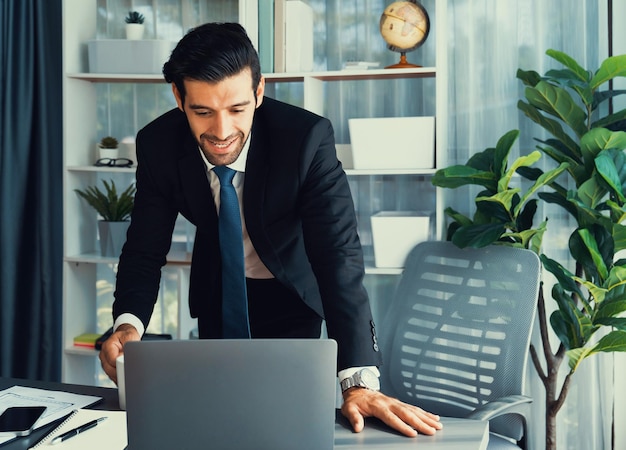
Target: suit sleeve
334,249
148,240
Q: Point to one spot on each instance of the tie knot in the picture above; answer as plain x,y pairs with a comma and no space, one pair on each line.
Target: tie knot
225,174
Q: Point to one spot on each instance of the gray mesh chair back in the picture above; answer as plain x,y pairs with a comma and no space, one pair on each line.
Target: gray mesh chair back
457,333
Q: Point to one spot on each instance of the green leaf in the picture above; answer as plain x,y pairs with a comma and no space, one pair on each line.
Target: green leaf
611,308
478,236
456,176
108,204
498,206
607,169
546,179
550,125
526,217
562,328
561,200
616,278
537,240
558,102
589,253
564,277
570,63
619,236
615,341
576,356
503,148
483,161
614,66
457,216
522,161
574,323
615,322
528,77
591,193
610,119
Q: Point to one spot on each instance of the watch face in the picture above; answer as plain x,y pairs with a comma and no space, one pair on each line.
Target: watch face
369,379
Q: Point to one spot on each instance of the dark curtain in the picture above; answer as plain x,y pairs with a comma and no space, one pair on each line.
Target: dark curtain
31,177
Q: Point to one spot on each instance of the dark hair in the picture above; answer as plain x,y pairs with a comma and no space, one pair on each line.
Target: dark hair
212,52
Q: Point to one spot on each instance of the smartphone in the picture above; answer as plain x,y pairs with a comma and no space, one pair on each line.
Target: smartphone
20,420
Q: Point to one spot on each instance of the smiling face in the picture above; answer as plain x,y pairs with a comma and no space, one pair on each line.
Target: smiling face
220,114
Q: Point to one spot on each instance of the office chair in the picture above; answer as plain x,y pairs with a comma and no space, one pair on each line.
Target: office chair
456,335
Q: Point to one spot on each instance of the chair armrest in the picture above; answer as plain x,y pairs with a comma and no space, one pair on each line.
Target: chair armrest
503,405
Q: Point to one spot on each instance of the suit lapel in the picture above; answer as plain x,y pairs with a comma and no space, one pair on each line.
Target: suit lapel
195,184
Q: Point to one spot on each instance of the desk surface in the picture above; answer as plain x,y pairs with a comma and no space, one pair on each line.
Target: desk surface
457,434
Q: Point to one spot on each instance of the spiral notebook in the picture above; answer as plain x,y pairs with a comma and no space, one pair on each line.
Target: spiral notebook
107,435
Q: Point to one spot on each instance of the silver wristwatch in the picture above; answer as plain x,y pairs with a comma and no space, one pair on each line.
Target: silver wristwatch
364,378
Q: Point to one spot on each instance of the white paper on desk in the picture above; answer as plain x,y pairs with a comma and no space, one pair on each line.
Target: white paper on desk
58,403
107,435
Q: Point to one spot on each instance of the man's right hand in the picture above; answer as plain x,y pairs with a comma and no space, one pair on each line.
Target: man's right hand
114,347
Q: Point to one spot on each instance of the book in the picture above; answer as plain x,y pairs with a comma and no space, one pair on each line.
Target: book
86,340
109,434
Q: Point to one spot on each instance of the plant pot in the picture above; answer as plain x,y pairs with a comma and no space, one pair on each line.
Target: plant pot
395,233
112,153
112,237
134,31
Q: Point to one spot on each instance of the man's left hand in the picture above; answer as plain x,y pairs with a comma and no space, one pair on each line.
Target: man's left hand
359,403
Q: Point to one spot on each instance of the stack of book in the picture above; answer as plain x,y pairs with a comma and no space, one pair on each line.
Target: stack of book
86,340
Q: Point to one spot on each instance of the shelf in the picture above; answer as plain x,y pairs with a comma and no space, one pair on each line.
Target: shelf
335,75
81,351
370,270
360,172
101,169
173,258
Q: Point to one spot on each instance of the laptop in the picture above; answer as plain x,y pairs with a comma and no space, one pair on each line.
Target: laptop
231,394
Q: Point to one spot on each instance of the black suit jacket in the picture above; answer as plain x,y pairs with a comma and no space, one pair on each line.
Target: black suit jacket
298,211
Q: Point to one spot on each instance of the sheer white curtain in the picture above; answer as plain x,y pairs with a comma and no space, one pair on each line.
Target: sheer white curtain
489,40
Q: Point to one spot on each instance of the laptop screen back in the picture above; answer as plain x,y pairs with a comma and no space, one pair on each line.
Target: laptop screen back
231,394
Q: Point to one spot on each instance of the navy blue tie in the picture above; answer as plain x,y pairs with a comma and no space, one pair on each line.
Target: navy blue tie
234,298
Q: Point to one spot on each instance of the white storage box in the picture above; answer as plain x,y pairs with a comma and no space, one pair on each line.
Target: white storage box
395,233
393,142
128,56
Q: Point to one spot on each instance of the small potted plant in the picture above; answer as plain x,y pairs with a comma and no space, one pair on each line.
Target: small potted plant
134,25
108,147
114,210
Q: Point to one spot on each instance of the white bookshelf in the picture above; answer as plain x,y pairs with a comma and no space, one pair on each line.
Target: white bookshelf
82,262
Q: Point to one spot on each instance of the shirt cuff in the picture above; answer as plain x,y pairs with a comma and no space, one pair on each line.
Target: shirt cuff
130,319
345,373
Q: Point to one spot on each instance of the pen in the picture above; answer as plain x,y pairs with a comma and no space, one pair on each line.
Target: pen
69,434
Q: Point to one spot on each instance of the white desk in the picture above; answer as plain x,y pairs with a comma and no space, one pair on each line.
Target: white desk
457,434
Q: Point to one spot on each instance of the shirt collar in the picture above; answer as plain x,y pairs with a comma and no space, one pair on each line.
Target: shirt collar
240,163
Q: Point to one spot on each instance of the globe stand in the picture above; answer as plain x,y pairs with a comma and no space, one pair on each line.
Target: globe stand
403,64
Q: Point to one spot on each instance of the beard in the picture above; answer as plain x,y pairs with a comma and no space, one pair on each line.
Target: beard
208,143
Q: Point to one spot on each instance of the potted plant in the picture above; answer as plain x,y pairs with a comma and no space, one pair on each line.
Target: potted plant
108,147
134,25
114,210
588,150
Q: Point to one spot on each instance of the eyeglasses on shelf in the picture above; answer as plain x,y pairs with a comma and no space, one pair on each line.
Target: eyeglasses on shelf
114,162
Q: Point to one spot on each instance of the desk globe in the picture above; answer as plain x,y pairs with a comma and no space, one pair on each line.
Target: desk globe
404,26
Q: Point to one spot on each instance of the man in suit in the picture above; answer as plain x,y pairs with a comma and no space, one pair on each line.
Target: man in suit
303,258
